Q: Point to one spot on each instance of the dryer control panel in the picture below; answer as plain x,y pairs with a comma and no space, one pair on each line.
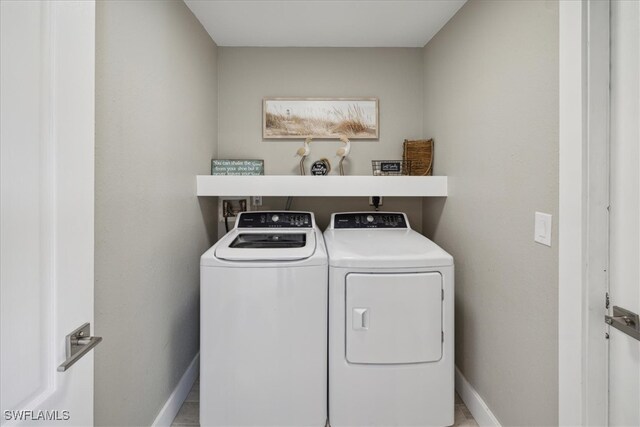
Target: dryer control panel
370,220
278,219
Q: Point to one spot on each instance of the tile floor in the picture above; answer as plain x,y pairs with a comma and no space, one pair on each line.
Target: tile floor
189,412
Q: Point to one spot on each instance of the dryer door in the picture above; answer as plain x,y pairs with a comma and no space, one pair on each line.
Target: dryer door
393,318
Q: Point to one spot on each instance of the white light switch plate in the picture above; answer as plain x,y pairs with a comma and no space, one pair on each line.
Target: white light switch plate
542,229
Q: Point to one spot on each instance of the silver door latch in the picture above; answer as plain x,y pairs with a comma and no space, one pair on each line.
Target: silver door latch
78,343
625,321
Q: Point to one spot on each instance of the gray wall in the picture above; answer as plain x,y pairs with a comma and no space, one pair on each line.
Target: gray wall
394,75
156,129
491,104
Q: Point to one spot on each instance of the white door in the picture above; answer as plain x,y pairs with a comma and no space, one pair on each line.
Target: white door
47,163
624,287
394,318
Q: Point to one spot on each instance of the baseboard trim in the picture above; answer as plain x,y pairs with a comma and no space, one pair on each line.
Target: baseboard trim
176,399
480,411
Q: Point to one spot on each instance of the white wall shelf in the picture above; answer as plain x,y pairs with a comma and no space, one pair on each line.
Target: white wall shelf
322,186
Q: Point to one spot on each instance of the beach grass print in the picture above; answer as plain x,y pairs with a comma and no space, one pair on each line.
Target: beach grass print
355,118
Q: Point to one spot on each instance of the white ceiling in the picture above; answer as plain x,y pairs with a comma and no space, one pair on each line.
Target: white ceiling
330,23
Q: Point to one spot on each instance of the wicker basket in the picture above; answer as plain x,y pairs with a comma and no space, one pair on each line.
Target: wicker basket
420,154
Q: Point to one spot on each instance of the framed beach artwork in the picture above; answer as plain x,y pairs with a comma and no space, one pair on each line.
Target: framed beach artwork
320,118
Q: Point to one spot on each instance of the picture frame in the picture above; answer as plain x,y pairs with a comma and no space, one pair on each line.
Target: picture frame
320,118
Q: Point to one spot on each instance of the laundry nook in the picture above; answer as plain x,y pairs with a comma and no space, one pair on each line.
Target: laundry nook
319,213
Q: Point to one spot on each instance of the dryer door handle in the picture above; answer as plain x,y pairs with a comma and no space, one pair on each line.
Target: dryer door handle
360,319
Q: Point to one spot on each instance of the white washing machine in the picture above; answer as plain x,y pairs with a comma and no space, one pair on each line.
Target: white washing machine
263,324
391,337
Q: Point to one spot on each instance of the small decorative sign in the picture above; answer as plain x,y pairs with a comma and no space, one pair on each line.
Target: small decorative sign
321,167
390,167
237,167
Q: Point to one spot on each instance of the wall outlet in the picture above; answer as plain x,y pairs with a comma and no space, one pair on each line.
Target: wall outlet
379,201
256,200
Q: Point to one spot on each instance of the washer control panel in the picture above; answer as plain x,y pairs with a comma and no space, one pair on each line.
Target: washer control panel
275,220
369,220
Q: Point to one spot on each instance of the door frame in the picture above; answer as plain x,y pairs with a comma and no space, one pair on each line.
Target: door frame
583,212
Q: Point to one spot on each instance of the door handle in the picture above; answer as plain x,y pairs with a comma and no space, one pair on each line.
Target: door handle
360,319
625,321
78,343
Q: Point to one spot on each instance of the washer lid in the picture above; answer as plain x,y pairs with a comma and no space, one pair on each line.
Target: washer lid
269,240
383,248
267,245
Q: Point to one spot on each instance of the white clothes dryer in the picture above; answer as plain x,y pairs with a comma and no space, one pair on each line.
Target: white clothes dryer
391,336
263,324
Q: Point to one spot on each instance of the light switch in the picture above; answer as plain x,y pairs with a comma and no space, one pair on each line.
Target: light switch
542,228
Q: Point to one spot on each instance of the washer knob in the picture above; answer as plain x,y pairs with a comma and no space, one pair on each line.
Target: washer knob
275,218
369,218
